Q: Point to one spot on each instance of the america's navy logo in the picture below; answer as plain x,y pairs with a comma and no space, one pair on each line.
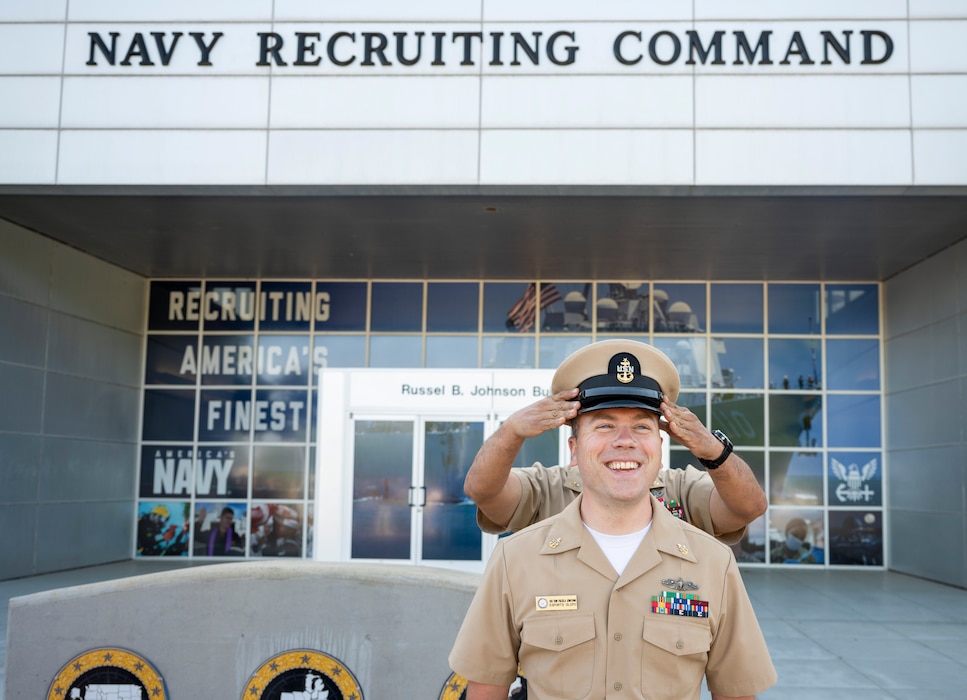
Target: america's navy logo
302,675
108,674
853,487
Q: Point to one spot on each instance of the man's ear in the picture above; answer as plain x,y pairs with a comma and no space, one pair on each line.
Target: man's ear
571,444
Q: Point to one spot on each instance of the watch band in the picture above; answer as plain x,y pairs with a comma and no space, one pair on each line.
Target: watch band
726,451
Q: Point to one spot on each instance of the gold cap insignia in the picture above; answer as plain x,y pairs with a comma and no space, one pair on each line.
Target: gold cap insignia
625,371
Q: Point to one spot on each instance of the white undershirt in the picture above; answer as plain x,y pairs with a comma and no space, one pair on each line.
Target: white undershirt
619,548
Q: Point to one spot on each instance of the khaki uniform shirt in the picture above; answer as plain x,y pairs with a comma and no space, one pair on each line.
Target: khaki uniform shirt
546,491
551,602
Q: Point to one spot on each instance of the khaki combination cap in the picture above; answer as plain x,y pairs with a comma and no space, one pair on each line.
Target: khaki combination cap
618,374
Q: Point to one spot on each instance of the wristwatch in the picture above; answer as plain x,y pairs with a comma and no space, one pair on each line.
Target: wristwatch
726,451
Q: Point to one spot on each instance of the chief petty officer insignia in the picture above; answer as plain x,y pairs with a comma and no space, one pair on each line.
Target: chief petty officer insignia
107,673
302,674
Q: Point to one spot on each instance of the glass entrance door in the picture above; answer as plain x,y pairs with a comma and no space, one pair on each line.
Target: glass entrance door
408,500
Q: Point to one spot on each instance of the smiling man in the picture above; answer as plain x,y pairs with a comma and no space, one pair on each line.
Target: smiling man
615,594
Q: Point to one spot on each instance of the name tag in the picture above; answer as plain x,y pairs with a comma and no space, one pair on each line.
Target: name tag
557,602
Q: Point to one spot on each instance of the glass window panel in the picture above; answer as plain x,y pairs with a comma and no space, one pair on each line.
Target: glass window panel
444,351
751,549
694,402
736,308
288,306
227,360
795,420
684,309
797,536
741,417
508,353
397,306
396,351
183,470
383,469
171,359
277,529
543,448
796,478
450,529
505,302
280,415
163,528
283,360
339,351
565,307
690,357
555,350
230,306
795,363
737,363
853,365
793,308
452,307
623,307
279,471
342,306
856,537
852,309
855,479
169,415
220,529
174,306
853,420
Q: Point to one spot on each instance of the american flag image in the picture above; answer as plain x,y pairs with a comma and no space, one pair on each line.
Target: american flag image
523,314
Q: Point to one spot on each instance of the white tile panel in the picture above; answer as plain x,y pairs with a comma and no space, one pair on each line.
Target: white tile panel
401,157
156,102
585,101
32,102
376,102
937,46
573,11
29,157
34,11
803,157
939,100
940,157
31,49
584,157
834,101
162,157
385,10
236,51
946,9
800,9
169,10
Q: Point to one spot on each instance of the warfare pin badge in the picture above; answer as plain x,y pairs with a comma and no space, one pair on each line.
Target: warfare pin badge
302,674
107,673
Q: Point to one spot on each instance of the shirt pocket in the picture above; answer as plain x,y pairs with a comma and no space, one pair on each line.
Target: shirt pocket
674,655
557,654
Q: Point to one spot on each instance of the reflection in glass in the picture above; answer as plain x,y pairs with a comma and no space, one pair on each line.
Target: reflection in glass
501,300
289,306
853,364
855,479
382,473
856,537
689,355
793,308
795,420
741,417
796,536
795,363
751,549
280,415
278,471
342,306
452,307
509,353
450,529
283,360
339,351
623,307
395,351
397,306
566,307
226,360
737,363
796,478
555,349
679,308
542,448
448,351
694,402
231,306
852,309
854,420
736,308
171,359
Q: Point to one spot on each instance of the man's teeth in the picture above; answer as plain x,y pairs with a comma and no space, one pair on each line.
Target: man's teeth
622,466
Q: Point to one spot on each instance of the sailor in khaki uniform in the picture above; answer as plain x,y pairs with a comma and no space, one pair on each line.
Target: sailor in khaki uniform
721,500
615,596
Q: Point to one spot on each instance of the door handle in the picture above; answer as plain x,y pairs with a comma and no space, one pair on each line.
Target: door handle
417,496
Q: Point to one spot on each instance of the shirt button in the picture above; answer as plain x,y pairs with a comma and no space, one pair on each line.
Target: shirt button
617,686
679,644
559,639
617,636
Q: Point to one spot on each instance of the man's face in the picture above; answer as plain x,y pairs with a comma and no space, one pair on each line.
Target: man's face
618,451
